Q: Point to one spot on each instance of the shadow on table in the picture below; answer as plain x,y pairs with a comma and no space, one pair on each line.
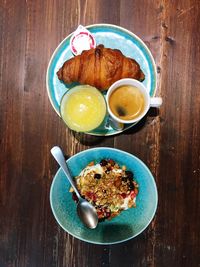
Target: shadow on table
94,140
151,114
89,140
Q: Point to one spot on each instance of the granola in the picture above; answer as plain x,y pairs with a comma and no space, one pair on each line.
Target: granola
109,187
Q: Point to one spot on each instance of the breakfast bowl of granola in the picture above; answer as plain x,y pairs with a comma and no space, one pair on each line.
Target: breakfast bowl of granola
120,187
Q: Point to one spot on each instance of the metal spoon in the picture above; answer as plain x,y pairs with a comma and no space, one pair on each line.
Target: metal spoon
86,212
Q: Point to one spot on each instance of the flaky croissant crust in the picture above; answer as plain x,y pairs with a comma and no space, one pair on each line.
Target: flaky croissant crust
99,67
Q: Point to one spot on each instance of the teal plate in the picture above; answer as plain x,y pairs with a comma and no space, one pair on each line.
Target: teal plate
110,36
129,223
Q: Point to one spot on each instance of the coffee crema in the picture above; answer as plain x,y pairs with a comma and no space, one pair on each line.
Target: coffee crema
127,102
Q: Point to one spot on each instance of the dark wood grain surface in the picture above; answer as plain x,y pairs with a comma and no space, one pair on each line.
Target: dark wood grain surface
167,142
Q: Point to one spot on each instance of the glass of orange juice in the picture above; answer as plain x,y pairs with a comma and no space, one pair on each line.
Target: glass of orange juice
83,108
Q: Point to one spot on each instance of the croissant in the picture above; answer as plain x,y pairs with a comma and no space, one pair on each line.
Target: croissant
99,67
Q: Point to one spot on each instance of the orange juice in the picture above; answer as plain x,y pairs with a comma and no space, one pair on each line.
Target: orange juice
83,108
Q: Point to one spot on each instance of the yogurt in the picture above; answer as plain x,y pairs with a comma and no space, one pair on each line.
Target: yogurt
81,40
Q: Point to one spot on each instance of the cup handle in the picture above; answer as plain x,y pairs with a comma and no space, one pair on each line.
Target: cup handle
155,102
115,125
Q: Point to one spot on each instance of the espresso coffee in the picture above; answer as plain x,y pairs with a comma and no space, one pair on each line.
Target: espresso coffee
127,102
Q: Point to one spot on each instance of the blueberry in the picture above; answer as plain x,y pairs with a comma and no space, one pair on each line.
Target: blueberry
74,197
103,162
124,179
129,174
97,176
131,186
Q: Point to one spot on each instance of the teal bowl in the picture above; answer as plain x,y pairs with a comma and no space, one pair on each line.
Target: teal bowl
129,223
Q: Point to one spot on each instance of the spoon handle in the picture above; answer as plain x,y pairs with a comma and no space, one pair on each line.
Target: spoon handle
59,157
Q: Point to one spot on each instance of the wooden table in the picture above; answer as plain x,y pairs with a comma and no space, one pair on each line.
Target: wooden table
167,142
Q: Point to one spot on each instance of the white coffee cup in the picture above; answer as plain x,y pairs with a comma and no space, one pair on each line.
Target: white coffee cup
148,101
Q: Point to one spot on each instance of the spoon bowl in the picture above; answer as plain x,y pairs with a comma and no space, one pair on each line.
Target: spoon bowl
86,212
